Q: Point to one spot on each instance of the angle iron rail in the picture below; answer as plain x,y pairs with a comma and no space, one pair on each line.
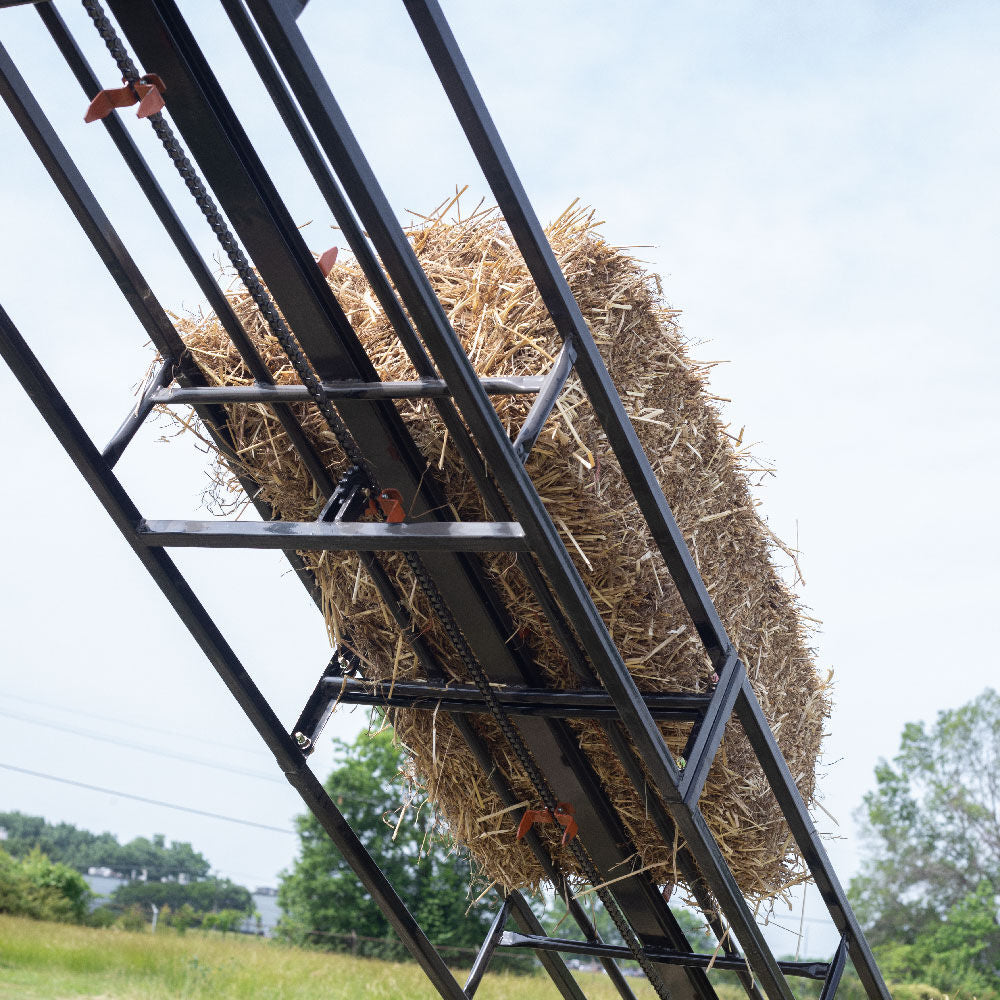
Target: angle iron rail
418,389
832,982
558,972
759,734
544,402
575,703
150,187
119,506
341,148
339,536
475,119
711,730
487,950
510,939
131,425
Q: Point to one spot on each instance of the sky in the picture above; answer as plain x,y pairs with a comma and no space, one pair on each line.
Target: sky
816,183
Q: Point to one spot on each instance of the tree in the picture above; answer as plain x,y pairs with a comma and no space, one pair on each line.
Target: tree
80,849
208,896
958,954
35,886
321,894
932,824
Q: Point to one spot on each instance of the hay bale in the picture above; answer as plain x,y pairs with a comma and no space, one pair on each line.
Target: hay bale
481,279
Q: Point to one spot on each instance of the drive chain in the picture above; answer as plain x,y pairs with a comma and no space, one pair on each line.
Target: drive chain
307,374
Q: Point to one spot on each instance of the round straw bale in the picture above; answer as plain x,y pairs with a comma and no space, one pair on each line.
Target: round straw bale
482,281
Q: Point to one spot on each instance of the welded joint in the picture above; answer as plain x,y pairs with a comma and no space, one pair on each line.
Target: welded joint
837,966
731,682
122,437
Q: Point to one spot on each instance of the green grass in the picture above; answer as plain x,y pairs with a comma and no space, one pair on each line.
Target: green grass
46,961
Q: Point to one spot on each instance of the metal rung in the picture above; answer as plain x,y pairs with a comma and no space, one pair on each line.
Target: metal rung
426,388
582,704
359,536
512,939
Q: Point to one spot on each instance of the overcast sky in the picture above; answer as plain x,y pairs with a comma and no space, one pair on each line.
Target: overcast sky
815,182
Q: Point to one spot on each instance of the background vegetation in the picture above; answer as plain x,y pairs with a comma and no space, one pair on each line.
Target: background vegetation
928,892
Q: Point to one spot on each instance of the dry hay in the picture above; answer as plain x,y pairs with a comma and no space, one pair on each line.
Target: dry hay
491,301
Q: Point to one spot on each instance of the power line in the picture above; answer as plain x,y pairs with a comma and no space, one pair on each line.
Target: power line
118,721
145,748
142,798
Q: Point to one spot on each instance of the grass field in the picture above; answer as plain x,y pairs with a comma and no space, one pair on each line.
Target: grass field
46,961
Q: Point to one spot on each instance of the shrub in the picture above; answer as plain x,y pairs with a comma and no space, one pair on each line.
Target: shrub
36,887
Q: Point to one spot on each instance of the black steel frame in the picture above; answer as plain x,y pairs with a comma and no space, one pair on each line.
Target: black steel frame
158,34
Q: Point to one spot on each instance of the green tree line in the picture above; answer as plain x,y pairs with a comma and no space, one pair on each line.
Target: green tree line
82,850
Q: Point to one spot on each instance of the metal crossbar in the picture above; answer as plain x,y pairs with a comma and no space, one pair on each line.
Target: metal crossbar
343,383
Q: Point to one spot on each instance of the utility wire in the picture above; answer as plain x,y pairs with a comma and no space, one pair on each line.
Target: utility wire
145,748
159,752
143,798
125,722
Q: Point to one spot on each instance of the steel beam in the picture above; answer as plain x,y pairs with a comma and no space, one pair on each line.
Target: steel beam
560,975
122,437
476,121
335,536
511,939
220,654
418,389
833,977
555,381
486,952
569,704
807,838
710,732
374,212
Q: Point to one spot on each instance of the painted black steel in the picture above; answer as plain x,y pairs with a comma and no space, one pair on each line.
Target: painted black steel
758,732
711,730
123,512
336,536
319,705
122,437
570,704
487,950
833,977
374,212
420,389
511,939
544,402
560,975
